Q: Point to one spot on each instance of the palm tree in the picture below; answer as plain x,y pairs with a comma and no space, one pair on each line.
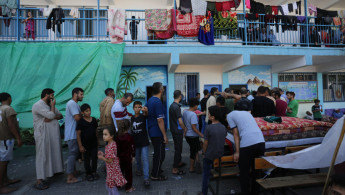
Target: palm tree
128,78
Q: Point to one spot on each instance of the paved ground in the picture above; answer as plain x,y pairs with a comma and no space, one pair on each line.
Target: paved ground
23,166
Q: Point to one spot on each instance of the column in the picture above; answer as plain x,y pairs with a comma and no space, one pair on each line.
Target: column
275,81
320,89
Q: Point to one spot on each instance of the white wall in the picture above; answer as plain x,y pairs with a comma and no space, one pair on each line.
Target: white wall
208,74
303,108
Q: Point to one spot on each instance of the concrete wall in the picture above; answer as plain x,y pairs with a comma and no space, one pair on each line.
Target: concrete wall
208,74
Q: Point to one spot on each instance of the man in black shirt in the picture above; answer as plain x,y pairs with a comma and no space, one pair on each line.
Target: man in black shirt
177,129
263,106
224,111
244,103
203,109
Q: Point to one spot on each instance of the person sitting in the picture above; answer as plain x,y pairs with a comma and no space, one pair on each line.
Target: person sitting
309,115
337,114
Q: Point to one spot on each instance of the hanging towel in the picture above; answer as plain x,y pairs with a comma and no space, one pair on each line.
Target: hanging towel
47,11
298,9
185,6
301,19
171,29
290,7
74,13
206,34
274,10
187,25
285,9
341,13
116,25
336,21
294,5
268,9
157,19
312,9
280,9
248,4
199,7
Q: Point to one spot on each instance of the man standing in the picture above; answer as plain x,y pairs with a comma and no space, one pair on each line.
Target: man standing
203,109
292,108
244,103
230,98
9,132
281,105
262,106
106,121
177,129
249,144
47,138
119,109
211,102
71,117
156,125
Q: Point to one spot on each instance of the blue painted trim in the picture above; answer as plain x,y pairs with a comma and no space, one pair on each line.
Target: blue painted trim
170,93
225,80
275,81
320,88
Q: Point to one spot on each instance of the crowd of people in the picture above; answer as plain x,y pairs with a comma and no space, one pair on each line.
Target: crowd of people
204,125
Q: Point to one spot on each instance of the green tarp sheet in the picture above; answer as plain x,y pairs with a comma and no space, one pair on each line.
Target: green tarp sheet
27,68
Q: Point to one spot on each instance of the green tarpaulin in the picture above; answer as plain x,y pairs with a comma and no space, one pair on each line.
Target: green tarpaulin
27,68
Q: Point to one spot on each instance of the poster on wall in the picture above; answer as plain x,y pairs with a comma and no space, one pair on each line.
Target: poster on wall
135,80
252,76
305,91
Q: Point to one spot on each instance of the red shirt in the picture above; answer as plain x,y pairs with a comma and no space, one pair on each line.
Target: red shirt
281,107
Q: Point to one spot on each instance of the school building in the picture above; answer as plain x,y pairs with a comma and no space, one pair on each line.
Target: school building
240,57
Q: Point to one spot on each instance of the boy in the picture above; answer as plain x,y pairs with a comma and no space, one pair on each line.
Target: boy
190,119
87,141
141,141
317,109
309,115
213,147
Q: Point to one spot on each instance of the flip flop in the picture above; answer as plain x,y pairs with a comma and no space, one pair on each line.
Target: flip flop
159,178
41,186
130,190
13,181
180,172
77,181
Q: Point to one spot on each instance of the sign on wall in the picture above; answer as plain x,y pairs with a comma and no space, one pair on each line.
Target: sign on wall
305,91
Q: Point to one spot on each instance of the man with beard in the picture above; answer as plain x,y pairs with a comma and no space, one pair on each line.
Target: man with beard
47,138
71,117
119,109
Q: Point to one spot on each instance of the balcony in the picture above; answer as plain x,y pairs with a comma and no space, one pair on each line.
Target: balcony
91,26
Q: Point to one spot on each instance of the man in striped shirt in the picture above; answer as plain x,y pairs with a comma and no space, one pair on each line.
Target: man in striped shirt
119,110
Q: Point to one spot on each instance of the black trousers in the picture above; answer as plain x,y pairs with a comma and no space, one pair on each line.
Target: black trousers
178,144
158,156
90,160
246,162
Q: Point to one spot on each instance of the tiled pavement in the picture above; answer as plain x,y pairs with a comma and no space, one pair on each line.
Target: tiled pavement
23,167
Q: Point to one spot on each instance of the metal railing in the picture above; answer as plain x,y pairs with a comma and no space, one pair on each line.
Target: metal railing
91,26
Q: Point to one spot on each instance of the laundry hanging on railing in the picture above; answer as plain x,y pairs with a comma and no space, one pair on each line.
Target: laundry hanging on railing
47,11
199,7
171,29
116,25
57,16
206,34
187,25
260,8
74,13
185,6
157,19
8,7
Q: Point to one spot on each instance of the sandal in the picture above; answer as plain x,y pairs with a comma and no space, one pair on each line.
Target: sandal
41,186
159,178
89,178
146,183
130,190
180,172
95,176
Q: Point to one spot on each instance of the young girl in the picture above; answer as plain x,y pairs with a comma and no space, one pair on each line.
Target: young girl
30,26
126,152
114,176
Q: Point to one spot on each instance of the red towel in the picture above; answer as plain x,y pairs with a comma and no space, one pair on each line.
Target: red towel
275,10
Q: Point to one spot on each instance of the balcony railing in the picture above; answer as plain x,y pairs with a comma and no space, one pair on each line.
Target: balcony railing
91,26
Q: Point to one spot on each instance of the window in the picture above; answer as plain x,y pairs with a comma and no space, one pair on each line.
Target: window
297,77
333,87
188,84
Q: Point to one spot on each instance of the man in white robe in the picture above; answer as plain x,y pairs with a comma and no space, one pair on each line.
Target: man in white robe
47,138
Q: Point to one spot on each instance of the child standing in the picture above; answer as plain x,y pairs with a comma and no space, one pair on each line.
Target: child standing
114,176
213,146
87,141
192,134
317,109
141,141
126,151
30,26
